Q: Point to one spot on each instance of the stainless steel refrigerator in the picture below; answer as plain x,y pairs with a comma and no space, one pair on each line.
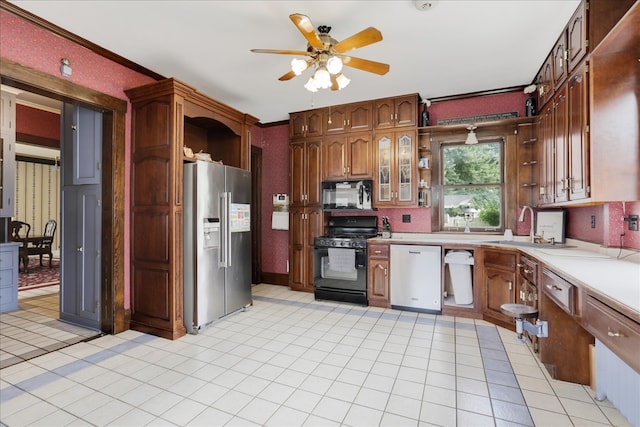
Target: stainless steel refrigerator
217,242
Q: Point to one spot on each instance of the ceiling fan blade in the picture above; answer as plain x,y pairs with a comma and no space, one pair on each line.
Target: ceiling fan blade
363,38
365,65
287,76
304,25
281,52
334,83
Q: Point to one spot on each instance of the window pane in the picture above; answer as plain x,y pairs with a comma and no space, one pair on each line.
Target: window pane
472,164
479,206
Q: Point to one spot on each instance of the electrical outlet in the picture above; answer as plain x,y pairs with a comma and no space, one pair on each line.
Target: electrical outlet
633,222
406,218
593,221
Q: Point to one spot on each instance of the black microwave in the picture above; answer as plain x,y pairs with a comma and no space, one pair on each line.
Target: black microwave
347,195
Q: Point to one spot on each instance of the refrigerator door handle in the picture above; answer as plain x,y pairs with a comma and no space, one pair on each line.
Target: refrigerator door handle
224,225
227,218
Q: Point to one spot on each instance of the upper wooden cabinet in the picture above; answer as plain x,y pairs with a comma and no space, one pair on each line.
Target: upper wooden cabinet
559,61
576,36
306,124
544,82
305,172
166,116
348,118
395,166
614,127
347,157
395,112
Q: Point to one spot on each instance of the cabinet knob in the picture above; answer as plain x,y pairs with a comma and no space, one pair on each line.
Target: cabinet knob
614,334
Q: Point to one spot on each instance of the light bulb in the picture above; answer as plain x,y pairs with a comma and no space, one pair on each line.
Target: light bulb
334,65
471,138
298,66
343,81
311,85
322,78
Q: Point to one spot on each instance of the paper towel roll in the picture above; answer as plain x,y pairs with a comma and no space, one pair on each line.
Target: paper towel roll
280,220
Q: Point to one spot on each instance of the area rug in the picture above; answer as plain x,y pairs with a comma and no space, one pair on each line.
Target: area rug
38,276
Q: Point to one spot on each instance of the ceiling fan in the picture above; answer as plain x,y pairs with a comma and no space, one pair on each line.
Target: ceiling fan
326,55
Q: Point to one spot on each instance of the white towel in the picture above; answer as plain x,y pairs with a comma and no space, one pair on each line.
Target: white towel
343,260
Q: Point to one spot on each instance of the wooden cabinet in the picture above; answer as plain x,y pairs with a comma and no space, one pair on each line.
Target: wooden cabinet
395,168
566,143
499,284
544,82
305,225
305,216
304,173
7,152
306,124
395,112
576,37
347,157
167,115
618,332
378,275
527,290
578,179
348,118
559,60
559,307
614,127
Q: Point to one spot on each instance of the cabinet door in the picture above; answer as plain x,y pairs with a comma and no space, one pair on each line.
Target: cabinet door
360,117
383,113
384,168
559,60
406,168
560,139
577,37
547,186
314,123
297,123
336,121
297,163
297,248
406,111
547,80
500,289
577,137
378,283
313,173
360,155
334,154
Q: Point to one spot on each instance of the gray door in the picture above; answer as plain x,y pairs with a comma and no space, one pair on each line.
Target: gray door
81,215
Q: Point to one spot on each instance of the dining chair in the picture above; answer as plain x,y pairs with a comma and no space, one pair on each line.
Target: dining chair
43,246
20,233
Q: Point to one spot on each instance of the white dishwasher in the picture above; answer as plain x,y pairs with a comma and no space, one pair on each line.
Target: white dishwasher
416,278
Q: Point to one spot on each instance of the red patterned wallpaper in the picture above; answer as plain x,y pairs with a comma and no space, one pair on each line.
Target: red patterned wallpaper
37,122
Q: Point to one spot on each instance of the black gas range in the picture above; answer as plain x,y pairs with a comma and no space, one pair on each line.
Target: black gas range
340,259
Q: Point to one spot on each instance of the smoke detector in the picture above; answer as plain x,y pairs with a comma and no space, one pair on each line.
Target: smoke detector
424,4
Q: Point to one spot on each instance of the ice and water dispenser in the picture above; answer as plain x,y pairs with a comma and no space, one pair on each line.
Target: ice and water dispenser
211,233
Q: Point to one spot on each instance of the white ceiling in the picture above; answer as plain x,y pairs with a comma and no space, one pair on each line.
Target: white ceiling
455,47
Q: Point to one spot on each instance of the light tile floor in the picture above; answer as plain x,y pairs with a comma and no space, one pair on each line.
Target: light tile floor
293,361
34,329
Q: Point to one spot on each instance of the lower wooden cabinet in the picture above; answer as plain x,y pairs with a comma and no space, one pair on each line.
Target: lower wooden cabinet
378,275
499,285
305,225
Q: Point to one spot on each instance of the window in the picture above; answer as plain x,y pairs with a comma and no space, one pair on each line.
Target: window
472,190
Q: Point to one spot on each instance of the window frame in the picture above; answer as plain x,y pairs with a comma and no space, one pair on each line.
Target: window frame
501,184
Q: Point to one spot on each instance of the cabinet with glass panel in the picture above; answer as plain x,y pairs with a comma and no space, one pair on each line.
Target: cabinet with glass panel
396,172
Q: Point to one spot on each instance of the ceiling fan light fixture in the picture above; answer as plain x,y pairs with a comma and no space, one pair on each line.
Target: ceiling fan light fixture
322,78
472,138
334,65
298,65
311,85
343,81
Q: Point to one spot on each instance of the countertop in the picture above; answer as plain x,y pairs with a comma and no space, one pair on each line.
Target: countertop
590,265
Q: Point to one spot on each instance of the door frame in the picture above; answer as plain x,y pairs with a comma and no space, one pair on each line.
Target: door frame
114,317
256,216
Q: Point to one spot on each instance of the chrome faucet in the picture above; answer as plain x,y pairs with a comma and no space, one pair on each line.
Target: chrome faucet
521,219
